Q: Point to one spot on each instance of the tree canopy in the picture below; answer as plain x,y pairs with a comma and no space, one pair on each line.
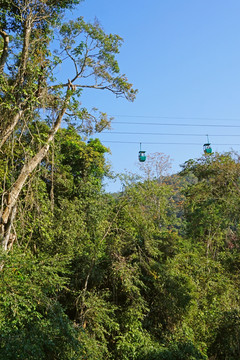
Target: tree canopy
149,273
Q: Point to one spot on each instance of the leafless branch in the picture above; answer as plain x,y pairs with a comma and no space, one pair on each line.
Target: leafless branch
73,60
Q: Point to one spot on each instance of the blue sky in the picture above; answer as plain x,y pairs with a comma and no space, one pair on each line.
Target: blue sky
184,58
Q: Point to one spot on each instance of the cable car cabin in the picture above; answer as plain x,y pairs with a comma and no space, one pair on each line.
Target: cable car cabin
142,156
207,149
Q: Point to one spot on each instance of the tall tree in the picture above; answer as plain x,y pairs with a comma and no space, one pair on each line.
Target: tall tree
34,44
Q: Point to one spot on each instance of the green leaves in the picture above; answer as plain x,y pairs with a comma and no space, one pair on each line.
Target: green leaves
212,202
88,275
32,323
101,277
93,56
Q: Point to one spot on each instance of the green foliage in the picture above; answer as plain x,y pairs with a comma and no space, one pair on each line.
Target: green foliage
226,342
212,203
10,17
176,351
33,324
149,273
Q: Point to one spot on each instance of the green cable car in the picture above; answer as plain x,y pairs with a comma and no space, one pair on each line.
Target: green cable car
207,147
141,155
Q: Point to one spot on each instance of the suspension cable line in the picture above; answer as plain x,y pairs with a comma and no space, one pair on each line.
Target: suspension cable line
177,117
168,124
162,143
160,134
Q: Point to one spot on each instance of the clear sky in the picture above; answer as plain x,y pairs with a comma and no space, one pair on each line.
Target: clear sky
184,58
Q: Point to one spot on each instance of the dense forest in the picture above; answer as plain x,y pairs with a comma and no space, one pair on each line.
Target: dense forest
149,273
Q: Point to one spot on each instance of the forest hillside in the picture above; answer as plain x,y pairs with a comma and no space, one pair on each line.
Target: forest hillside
149,273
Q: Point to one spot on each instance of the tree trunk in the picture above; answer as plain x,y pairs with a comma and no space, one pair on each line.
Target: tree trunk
5,50
8,212
8,131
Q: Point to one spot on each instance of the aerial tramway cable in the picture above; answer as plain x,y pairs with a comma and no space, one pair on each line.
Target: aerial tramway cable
161,134
176,117
175,124
162,143
170,134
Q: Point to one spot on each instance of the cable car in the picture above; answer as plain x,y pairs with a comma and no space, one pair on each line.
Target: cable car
207,147
141,155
